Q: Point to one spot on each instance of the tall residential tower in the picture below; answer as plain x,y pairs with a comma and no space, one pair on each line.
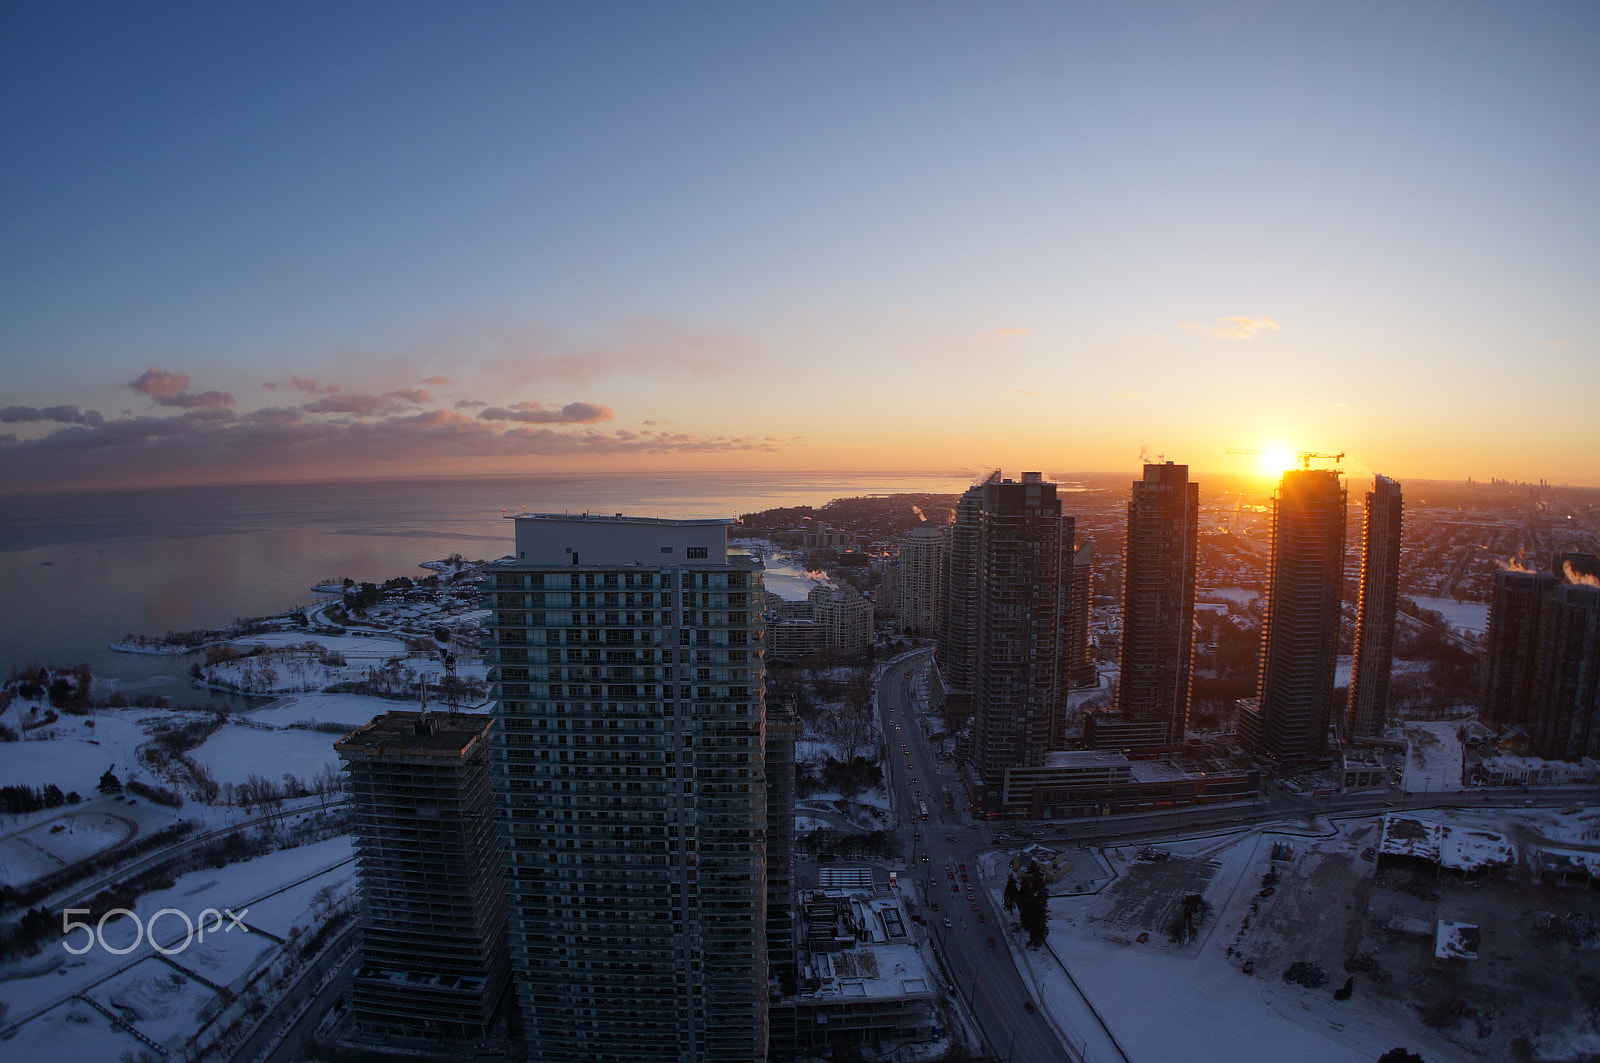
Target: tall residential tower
1288,721
1010,552
1375,612
1152,708
629,762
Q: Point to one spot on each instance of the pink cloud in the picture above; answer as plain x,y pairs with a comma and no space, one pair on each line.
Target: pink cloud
171,389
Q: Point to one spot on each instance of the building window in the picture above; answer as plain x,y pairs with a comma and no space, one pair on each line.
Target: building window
696,553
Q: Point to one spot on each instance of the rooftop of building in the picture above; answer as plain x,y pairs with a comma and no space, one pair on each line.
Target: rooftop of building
859,946
440,734
1157,770
1448,845
622,518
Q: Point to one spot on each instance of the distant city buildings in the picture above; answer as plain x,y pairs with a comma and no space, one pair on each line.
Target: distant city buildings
434,965
1152,708
626,663
1288,720
1376,609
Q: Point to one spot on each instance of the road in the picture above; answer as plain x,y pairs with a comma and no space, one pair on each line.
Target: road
944,852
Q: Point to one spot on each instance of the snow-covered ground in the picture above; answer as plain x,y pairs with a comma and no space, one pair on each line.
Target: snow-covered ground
235,752
1433,757
1471,617
165,1000
1235,595
74,751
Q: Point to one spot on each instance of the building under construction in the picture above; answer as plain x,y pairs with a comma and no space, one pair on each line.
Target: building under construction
434,964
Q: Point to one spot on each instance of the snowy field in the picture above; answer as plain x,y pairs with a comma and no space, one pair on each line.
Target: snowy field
73,1032
350,710
281,913
235,752
159,997
1326,902
53,844
74,751
1472,617
163,1004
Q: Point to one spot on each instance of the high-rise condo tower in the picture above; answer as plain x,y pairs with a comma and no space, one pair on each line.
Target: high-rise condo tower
1376,609
1010,550
626,659
1300,636
1152,708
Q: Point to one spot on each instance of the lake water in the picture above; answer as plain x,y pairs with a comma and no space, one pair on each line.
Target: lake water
81,569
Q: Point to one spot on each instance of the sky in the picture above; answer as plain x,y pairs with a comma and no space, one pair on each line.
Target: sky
268,241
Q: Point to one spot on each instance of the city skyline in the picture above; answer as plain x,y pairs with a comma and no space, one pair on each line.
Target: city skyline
898,237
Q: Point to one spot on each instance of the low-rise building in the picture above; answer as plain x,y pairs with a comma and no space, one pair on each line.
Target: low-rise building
1363,771
861,977
1074,783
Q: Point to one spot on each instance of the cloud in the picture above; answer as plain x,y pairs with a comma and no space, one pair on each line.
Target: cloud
301,383
1129,395
171,389
213,443
438,381
1010,332
470,404
59,414
1031,394
390,402
1235,328
538,413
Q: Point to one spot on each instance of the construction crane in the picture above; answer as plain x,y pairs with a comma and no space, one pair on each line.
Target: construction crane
1306,456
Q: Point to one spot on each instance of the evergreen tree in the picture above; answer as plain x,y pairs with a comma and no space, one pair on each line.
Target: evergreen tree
109,783
1033,901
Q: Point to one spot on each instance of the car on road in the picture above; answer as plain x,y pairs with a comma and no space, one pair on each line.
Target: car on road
981,918
991,943
1027,1005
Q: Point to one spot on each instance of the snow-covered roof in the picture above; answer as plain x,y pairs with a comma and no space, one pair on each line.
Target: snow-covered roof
1458,848
1568,862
